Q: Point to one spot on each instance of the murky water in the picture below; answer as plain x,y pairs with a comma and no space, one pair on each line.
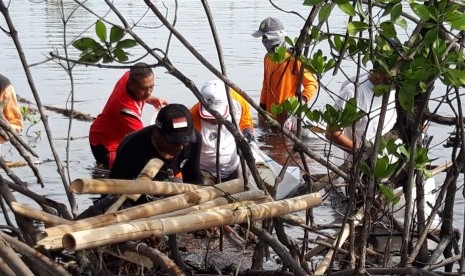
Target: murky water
41,29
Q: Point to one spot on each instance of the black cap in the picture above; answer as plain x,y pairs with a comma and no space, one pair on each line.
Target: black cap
175,123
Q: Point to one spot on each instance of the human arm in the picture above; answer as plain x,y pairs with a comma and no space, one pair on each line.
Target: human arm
339,138
191,169
310,85
11,109
156,102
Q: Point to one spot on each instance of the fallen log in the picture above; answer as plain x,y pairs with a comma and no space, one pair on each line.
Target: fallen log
128,231
148,209
124,186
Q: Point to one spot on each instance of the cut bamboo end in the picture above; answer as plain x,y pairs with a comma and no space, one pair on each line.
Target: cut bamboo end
77,186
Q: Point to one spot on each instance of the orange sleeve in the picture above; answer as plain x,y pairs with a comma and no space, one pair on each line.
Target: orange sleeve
246,120
11,109
263,94
309,83
195,112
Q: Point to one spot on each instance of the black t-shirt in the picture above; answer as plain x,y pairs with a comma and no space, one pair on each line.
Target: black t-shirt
136,150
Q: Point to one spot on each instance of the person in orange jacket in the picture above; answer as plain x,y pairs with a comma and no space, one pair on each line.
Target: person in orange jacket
214,93
11,111
280,80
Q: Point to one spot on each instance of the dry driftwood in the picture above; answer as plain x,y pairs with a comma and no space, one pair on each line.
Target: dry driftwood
10,257
337,244
154,255
148,209
36,258
128,231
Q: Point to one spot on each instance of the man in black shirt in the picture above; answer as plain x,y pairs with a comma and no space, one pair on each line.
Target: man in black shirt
172,139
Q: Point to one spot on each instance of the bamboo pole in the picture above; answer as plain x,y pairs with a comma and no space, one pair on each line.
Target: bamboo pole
38,214
239,197
150,209
124,186
148,173
121,232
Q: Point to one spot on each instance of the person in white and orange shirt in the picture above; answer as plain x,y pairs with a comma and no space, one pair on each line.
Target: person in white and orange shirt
11,111
281,80
214,93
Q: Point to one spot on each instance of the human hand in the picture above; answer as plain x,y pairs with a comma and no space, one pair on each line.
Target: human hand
248,135
157,102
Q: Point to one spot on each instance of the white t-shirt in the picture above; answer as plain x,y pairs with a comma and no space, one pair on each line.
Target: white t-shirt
229,160
371,105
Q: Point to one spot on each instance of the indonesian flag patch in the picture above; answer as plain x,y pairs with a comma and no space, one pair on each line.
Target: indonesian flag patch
179,122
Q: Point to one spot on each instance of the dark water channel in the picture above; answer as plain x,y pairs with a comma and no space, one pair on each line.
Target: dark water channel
41,30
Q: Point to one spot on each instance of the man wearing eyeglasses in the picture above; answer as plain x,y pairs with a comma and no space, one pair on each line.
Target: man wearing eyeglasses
122,113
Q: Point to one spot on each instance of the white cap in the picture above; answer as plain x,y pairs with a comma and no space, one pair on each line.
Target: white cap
214,93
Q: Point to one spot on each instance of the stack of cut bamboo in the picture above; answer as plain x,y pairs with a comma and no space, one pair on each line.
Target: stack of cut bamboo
187,208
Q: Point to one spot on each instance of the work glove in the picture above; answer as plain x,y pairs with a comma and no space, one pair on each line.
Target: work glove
248,135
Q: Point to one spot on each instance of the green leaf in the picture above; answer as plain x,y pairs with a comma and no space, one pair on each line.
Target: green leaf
406,100
91,58
365,168
274,109
396,11
126,43
433,12
355,26
401,22
381,166
101,30
381,89
116,34
107,58
387,29
386,191
347,9
324,13
421,11
430,37
312,2
458,24
422,86
85,43
120,55
289,41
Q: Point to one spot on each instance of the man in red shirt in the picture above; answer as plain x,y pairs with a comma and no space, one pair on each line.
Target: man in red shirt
122,113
